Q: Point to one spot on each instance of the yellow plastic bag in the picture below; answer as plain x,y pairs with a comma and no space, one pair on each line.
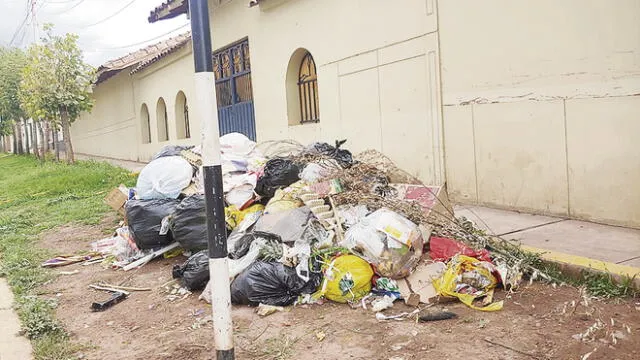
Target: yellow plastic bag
347,278
464,271
234,217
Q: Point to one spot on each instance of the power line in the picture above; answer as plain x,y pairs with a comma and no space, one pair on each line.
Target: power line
142,42
112,15
64,10
15,34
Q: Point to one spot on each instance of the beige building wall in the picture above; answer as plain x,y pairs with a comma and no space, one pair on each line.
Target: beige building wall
114,126
540,99
378,73
165,79
110,129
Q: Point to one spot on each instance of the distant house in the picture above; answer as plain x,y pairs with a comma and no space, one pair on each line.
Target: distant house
526,105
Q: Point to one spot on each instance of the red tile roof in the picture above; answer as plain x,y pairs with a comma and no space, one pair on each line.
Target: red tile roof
142,58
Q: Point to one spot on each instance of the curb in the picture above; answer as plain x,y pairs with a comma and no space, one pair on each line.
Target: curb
574,265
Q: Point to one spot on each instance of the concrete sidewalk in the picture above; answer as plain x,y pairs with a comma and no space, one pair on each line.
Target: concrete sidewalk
589,245
134,166
12,345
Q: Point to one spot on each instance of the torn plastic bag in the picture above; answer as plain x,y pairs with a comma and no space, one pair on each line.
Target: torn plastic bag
316,235
170,150
270,283
234,217
278,173
145,220
236,239
289,225
388,256
189,223
164,178
351,215
194,273
236,266
443,249
239,246
468,279
344,157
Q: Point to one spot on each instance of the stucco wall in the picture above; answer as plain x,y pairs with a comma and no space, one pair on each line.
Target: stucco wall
377,73
114,126
540,101
165,79
109,130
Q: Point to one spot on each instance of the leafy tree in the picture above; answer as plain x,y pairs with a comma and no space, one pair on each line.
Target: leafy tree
12,63
57,82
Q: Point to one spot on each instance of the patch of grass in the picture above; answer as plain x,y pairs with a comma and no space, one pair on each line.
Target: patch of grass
36,197
279,347
605,286
56,346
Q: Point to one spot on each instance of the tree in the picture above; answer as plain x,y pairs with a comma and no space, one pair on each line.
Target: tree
57,82
12,63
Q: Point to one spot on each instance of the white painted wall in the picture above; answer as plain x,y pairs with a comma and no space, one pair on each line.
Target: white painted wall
377,73
114,127
540,98
166,79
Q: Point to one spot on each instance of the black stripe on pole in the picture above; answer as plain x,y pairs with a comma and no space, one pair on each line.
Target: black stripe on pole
225,354
214,206
200,35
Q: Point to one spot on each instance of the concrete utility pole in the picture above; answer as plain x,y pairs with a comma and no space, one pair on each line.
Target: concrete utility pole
212,171
34,23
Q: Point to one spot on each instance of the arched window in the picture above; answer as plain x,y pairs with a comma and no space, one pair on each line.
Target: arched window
182,117
145,124
161,116
302,89
308,89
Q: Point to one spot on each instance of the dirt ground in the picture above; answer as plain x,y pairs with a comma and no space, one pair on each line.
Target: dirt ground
537,322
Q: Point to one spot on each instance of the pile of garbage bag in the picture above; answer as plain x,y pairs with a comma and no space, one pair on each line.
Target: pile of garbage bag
315,223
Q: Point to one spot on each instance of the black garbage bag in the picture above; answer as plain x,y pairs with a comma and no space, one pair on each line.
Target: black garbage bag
170,150
188,223
194,273
342,156
270,283
145,220
238,244
278,173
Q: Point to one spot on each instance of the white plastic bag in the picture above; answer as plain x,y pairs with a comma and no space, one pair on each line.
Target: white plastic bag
164,178
366,238
236,143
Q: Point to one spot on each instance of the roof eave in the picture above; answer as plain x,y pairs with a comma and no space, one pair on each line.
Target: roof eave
168,10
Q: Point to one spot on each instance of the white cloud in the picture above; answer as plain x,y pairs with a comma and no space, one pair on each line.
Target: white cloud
102,42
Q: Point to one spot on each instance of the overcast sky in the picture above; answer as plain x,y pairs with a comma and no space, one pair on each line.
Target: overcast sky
121,26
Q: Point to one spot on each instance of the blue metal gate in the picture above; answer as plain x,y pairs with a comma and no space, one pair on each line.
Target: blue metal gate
232,69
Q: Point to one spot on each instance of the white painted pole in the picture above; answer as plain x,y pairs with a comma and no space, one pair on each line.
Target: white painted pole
212,175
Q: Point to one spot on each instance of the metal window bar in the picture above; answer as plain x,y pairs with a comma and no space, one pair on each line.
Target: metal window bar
166,125
308,90
232,69
187,130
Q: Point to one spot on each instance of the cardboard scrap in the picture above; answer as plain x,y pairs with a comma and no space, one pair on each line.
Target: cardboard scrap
117,198
418,287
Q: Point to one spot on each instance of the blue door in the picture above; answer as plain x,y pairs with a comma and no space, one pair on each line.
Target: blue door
232,69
